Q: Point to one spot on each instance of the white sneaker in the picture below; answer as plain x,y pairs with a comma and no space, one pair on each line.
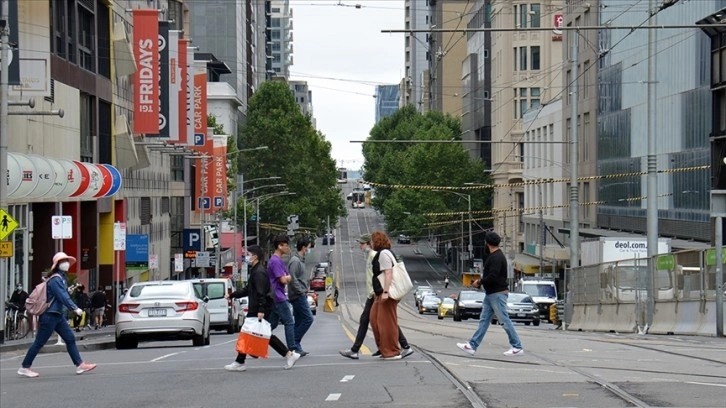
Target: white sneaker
514,352
466,347
26,372
406,352
235,366
291,359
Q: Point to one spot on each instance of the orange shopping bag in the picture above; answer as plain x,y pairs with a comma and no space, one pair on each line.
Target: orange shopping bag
254,338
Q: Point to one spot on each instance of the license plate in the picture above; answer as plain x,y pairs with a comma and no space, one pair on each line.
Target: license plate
157,312
521,315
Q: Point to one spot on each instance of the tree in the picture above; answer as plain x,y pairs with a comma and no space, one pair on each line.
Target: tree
421,164
297,153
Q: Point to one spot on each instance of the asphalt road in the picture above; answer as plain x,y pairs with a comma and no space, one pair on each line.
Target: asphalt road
559,369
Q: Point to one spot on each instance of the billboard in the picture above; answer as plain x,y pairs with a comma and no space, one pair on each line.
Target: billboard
184,102
137,248
146,78
164,79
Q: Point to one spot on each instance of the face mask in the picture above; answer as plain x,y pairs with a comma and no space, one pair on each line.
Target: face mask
248,259
64,266
310,251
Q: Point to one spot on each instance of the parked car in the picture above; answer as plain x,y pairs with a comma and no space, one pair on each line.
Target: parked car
446,308
317,283
161,310
430,303
328,239
313,302
468,304
222,312
403,239
522,309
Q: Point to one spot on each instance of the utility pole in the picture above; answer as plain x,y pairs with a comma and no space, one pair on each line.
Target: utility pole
4,79
652,177
574,187
541,233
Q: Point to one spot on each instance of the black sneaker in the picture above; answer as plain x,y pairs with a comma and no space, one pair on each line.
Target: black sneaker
377,353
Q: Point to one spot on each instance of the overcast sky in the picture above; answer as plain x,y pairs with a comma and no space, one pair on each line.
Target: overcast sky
342,53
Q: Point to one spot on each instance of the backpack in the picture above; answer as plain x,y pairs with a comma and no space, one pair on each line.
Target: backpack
37,303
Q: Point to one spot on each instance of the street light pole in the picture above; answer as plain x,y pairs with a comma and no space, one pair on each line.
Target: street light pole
263,198
4,79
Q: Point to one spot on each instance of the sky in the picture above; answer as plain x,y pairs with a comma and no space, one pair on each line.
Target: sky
340,50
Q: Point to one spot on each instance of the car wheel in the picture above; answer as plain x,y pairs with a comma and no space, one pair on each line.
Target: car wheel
230,328
198,339
207,339
526,323
441,317
536,322
420,311
457,317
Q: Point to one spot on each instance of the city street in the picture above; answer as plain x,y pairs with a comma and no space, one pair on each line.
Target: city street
560,368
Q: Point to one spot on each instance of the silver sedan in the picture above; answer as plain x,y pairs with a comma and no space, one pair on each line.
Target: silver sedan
167,310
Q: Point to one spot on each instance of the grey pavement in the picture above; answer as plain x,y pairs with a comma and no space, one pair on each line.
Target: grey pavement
100,339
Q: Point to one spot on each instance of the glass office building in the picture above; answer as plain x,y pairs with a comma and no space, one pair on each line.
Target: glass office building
387,97
682,124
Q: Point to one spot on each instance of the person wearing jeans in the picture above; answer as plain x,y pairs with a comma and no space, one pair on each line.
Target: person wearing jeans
279,277
494,282
54,319
297,292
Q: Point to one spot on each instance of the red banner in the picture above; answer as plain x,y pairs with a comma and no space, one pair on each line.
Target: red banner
146,78
219,168
202,143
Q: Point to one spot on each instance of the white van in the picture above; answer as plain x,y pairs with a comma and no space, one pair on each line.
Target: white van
222,312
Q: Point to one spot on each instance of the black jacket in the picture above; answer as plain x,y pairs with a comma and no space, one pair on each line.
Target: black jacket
494,276
258,290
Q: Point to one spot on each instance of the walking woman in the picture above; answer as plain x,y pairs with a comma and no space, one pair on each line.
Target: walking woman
384,317
54,318
261,306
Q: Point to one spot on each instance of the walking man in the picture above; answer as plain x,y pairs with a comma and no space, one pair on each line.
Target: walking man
365,245
494,282
446,282
279,277
98,306
297,292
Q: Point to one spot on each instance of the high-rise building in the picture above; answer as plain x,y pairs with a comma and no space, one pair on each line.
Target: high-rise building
279,37
387,101
304,97
526,73
682,125
417,52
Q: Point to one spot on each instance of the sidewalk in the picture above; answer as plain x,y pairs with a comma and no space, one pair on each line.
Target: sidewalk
101,339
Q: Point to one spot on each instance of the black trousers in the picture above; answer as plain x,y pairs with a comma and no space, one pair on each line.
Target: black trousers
365,319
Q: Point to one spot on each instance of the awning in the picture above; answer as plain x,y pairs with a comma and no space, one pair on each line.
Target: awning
124,63
527,264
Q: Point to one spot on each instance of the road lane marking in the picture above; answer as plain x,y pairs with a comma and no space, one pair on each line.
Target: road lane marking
363,348
333,397
166,355
347,378
702,383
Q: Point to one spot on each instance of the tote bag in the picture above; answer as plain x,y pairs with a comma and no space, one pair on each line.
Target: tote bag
254,337
400,281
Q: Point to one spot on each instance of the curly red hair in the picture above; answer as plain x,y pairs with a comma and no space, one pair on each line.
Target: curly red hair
379,241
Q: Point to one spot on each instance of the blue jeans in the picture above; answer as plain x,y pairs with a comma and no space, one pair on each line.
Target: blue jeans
494,304
282,313
47,324
303,319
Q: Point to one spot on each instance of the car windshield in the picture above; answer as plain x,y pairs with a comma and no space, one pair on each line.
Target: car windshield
519,298
159,291
472,296
448,301
540,290
432,299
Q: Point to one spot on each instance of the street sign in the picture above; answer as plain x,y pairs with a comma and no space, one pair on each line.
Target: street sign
61,227
7,224
178,263
6,249
119,236
153,261
202,259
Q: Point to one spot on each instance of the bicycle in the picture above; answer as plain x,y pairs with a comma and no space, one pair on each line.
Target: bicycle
17,324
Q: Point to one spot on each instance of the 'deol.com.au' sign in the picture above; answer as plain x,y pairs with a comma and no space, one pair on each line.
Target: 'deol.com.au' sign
137,248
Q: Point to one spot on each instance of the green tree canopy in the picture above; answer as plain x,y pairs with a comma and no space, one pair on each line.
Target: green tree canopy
422,164
297,153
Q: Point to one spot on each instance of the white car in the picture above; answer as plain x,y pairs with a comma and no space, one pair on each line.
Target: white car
161,310
222,311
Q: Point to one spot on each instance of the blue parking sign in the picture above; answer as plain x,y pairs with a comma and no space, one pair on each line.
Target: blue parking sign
199,139
218,202
205,203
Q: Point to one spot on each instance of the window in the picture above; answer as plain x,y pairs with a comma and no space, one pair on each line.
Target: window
86,39
514,59
522,58
534,93
535,12
145,210
274,22
275,34
87,122
534,51
585,79
523,16
177,168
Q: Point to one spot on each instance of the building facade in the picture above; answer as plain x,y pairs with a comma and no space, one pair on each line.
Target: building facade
279,37
304,97
683,112
387,101
416,53
526,74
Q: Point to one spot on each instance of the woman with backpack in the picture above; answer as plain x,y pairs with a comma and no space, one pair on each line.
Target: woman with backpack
53,319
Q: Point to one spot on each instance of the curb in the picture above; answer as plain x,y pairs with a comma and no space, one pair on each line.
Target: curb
84,341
